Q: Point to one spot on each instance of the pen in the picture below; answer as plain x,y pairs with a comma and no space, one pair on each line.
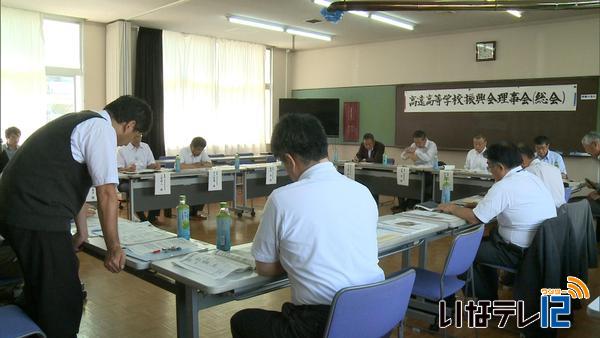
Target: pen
156,251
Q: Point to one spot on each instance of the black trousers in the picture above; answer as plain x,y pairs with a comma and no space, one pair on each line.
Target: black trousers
303,321
53,295
493,250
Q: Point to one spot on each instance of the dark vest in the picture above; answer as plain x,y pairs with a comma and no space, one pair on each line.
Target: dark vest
43,187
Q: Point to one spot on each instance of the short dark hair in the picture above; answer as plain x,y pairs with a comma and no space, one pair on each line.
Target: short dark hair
12,131
540,140
130,108
369,136
419,134
301,135
526,150
505,153
198,142
479,137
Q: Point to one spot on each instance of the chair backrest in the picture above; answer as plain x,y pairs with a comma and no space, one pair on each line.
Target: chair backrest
167,161
370,310
463,252
15,323
391,161
568,191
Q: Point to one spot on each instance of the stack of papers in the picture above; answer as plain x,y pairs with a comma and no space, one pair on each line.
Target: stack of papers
131,233
432,217
166,248
216,264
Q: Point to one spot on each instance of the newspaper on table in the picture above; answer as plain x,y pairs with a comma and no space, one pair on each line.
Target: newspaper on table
131,233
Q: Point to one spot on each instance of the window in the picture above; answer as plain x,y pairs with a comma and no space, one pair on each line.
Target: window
268,95
62,57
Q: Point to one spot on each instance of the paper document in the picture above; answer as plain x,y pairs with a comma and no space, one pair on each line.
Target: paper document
271,174
349,169
210,263
215,179
162,183
434,217
131,233
402,175
165,248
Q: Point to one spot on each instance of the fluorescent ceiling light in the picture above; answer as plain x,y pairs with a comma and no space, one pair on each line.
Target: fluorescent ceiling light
323,3
515,13
255,23
392,21
318,36
360,13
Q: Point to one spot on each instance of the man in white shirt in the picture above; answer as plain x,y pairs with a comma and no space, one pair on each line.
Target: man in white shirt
321,230
591,144
422,151
549,174
195,156
544,154
38,202
520,201
475,159
136,156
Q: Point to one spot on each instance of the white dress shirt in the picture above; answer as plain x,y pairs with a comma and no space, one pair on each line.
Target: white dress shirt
554,158
551,177
186,156
94,142
323,231
426,155
521,202
476,160
141,156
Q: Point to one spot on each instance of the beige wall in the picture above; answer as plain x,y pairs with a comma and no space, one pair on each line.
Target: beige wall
564,48
94,65
280,79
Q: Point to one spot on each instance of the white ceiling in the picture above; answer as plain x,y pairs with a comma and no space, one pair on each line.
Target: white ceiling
207,17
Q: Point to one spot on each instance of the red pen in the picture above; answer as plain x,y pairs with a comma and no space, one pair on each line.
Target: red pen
156,251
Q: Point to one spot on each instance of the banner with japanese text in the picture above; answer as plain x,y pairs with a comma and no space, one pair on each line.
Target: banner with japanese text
525,98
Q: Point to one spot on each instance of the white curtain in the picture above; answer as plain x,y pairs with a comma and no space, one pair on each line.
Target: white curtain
118,60
214,89
23,87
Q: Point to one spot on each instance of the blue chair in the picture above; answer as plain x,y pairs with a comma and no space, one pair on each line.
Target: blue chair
14,323
169,161
435,286
246,160
371,310
568,192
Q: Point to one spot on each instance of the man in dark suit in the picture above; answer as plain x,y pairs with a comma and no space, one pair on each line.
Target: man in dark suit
370,150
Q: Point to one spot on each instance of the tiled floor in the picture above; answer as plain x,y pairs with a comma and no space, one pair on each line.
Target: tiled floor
122,305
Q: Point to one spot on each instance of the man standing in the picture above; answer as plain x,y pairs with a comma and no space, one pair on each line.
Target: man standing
137,156
544,154
520,202
370,150
321,230
37,203
422,151
475,159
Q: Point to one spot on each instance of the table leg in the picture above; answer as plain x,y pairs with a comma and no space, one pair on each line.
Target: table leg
131,210
187,311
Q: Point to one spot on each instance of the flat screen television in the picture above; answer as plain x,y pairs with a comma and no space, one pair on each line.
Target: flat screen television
327,111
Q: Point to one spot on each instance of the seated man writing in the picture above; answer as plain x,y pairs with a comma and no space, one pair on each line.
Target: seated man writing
321,230
520,202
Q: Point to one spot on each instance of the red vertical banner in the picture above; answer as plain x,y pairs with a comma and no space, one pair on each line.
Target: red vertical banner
351,121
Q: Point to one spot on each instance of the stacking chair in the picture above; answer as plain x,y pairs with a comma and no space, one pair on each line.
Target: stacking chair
433,286
14,323
371,310
168,164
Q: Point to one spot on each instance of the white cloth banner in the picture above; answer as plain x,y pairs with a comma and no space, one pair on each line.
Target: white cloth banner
526,98
446,179
349,169
215,179
271,174
403,175
162,183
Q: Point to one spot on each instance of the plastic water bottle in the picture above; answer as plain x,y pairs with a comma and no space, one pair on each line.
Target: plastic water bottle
177,164
385,159
224,228
446,194
435,163
236,162
335,154
183,218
